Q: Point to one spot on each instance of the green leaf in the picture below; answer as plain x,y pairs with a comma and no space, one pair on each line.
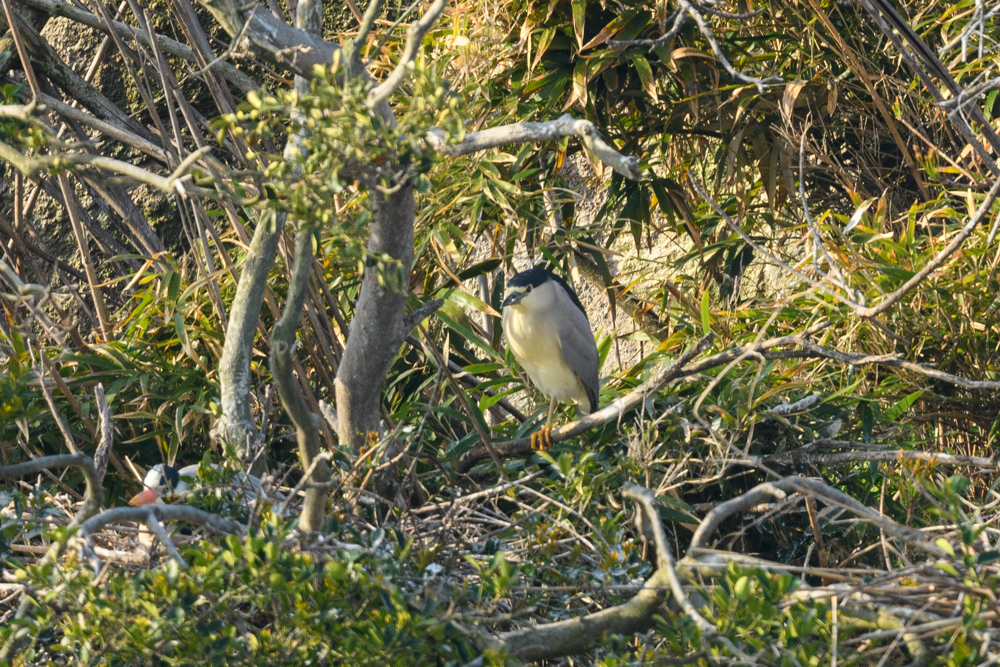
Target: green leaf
645,73
900,408
945,546
487,402
988,556
579,16
467,333
946,567
706,318
481,268
464,300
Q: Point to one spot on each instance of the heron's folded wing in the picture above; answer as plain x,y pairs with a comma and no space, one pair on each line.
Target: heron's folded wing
579,350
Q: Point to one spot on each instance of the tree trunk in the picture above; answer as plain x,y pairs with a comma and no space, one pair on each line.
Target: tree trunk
377,328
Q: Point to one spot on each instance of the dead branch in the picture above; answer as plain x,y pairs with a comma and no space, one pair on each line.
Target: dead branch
103,127
32,167
687,10
810,456
60,8
779,489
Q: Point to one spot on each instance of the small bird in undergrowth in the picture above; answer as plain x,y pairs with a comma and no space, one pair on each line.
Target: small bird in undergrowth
547,330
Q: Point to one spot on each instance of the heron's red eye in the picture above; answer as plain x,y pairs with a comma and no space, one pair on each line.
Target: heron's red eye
528,291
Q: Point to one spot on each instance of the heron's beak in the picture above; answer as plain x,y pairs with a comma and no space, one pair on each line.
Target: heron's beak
512,299
144,497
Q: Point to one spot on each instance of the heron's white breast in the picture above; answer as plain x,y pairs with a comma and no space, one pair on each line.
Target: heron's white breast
535,344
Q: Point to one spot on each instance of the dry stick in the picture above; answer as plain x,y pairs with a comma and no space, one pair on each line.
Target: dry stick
808,215
128,55
173,47
32,166
70,398
104,451
69,198
105,128
815,458
817,533
47,393
493,491
484,436
22,53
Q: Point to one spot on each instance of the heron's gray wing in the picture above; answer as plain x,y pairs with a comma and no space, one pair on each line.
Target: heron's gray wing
579,350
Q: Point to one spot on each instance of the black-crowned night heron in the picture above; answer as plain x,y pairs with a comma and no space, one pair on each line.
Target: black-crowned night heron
164,482
548,332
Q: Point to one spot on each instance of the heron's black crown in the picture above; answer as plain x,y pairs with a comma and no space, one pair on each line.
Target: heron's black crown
169,476
538,276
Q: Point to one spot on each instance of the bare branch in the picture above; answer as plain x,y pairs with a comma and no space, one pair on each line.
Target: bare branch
821,490
647,503
170,46
32,166
812,457
414,37
103,453
520,133
158,530
411,321
92,500
105,128
685,10
214,522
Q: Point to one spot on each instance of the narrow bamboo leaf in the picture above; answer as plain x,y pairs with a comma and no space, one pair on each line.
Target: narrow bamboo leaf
900,408
706,318
579,17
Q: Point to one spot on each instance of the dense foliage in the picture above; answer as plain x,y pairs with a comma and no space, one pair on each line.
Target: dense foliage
842,166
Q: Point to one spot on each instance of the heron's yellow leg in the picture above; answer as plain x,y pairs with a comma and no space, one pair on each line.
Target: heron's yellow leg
542,438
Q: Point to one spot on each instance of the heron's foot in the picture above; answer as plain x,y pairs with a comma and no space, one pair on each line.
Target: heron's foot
541,439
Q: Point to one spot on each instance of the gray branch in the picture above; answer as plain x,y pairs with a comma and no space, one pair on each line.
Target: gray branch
93,497
414,37
822,491
520,133
185,513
